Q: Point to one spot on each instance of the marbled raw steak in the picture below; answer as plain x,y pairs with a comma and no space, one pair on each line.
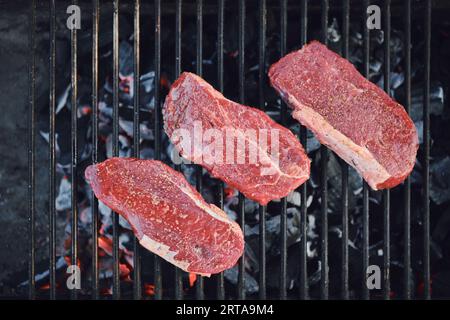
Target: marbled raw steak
168,216
348,113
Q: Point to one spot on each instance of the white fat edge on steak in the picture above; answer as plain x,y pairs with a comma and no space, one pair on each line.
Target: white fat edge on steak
360,157
187,85
164,251
206,207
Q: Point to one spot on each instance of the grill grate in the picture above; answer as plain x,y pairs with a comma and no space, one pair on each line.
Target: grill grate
324,152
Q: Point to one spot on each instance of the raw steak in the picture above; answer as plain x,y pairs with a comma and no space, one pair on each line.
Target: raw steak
347,113
281,164
168,216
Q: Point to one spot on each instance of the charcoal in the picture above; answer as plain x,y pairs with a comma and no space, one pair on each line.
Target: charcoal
419,127
124,146
436,101
312,144
416,177
441,284
63,99
273,230
147,90
125,58
294,198
63,199
145,132
44,277
250,207
396,80
250,284
442,229
334,168
333,31
147,153
440,180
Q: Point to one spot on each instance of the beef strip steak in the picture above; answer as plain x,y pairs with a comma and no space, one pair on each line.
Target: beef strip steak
168,216
348,113
193,102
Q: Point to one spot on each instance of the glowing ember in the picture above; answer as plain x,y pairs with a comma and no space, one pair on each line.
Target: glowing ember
192,279
149,289
125,272
105,243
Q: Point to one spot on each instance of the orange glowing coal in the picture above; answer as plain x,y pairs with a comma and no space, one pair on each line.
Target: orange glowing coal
149,289
106,244
192,279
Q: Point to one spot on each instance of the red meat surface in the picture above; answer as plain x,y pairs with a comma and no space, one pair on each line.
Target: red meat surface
192,101
168,216
348,113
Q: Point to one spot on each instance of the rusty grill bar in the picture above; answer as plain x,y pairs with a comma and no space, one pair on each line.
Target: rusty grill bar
302,27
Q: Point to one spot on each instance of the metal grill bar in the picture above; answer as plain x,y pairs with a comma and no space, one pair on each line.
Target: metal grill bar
137,285
262,209
74,151
241,211
158,151
303,188
365,249
115,144
324,155
178,7
407,187
344,167
241,266
426,147
95,216
199,171
221,9
52,152
31,155
386,193
283,221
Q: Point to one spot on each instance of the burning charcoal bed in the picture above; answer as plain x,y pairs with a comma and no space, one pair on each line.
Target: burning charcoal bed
98,92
